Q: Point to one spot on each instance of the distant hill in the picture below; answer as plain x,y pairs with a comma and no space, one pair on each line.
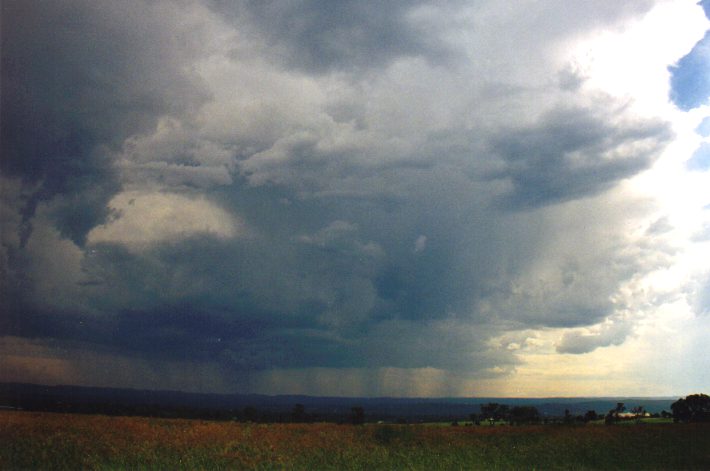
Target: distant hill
113,401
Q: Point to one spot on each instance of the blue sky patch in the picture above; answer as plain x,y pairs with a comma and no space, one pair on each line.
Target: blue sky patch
690,78
701,158
706,6
704,127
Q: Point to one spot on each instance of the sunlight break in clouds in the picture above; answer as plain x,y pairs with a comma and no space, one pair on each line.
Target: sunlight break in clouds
419,199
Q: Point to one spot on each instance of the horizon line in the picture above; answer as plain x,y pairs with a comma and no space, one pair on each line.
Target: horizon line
127,388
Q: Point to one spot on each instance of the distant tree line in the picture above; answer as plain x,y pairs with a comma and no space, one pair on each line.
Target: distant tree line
494,412
298,414
693,408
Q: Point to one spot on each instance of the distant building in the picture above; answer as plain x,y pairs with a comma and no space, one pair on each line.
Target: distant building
633,415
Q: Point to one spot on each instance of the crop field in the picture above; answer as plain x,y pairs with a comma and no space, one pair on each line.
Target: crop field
30,440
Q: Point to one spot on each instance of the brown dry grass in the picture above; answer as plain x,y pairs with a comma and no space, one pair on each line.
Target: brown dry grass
32,440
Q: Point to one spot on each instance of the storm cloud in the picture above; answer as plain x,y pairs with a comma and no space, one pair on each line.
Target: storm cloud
267,189
78,79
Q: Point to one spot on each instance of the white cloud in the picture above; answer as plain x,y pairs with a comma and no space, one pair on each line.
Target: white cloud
632,61
142,219
420,243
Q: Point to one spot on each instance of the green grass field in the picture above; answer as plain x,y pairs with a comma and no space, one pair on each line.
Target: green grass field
30,440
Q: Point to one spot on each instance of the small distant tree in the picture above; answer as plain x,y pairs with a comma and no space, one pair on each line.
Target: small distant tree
638,412
568,418
613,415
488,411
590,415
250,414
298,414
494,411
693,408
520,415
357,415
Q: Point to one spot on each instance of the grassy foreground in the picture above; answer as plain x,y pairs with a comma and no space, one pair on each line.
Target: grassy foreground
30,440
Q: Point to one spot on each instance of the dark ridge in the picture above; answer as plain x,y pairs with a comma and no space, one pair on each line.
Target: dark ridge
257,407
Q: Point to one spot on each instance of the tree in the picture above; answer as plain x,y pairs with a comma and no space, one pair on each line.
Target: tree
638,412
524,415
613,415
494,411
250,414
590,415
298,414
568,418
357,416
693,408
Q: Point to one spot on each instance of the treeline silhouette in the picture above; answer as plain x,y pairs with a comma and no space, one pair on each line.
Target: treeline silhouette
305,409
244,414
161,404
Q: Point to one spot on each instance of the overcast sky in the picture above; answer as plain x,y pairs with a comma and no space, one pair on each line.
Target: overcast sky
403,198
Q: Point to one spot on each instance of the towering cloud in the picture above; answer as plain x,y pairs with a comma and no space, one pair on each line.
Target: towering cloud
296,196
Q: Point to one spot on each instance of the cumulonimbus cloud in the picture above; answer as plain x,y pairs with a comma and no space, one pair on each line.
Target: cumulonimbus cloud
261,186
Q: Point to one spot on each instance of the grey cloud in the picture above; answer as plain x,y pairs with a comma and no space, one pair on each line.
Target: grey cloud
320,36
659,227
571,298
387,344
701,298
570,79
574,153
578,342
372,243
703,234
79,77
418,345
308,279
234,309
563,265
